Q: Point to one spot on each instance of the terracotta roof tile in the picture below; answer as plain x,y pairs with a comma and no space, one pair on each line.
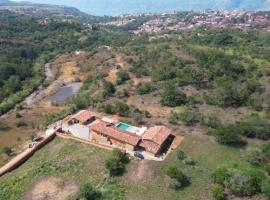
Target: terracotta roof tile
83,116
115,133
157,134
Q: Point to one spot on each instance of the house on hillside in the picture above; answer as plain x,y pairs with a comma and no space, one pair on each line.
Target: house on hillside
85,125
156,140
109,134
77,125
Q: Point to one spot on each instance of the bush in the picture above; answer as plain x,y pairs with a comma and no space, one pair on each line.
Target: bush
178,178
122,76
241,185
221,175
218,192
190,117
229,135
211,121
7,150
181,155
266,149
88,192
255,126
240,182
108,88
122,93
255,157
144,88
173,117
20,123
265,187
3,126
121,108
189,161
267,169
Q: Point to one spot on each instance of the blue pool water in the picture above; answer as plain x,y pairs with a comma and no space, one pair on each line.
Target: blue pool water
123,126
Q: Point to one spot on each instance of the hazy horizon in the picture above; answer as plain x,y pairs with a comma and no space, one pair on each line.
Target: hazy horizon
118,7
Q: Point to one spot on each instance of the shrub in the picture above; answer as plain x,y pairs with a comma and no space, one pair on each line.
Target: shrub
7,150
266,149
181,155
221,175
108,88
255,126
189,161
122,76
20,123
211,121
3,126
243,183
144,88
88,192
218,192
239,181
122,93
173,117
121,108
255,157
267,169
228,135
265,187
178,178
190,117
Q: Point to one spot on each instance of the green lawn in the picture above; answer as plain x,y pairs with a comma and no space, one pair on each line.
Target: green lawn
84,163
207,154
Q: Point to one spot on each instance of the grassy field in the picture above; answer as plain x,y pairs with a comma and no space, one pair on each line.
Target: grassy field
70,160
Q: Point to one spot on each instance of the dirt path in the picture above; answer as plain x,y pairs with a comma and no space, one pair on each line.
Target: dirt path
141,172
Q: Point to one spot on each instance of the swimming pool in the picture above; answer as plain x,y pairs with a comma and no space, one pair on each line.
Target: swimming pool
123,126
131,129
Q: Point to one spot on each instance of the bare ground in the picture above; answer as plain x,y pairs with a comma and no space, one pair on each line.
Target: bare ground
51,188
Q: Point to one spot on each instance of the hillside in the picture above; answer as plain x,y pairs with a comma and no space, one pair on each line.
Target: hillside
117,7
209,86
48,11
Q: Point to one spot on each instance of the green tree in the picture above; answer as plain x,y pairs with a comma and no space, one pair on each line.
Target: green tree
116,163
229,135
172,97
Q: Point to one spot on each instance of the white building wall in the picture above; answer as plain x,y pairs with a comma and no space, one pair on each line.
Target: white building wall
78,130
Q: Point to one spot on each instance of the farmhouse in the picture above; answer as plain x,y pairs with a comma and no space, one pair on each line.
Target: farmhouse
156,139
76,125
85,125
109,133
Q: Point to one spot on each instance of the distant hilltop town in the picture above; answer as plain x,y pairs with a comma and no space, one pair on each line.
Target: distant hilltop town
234,19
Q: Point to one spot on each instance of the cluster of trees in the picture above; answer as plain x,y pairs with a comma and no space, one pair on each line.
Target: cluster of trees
27,45
239,181
116,163
253,126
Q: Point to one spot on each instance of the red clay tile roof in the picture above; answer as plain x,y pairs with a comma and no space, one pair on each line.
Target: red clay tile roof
154,137
115,133
157,134
150,146
83,116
